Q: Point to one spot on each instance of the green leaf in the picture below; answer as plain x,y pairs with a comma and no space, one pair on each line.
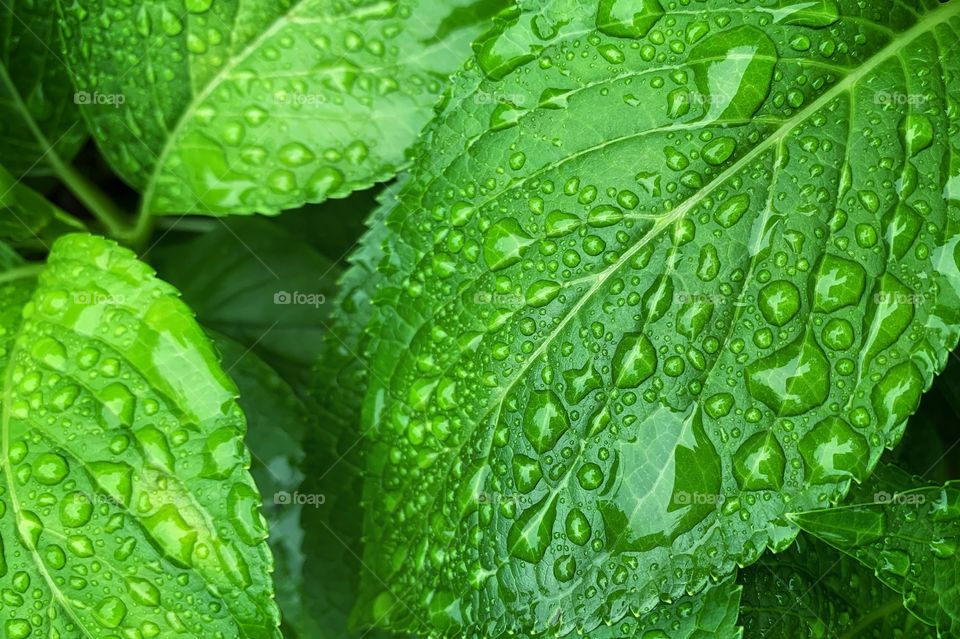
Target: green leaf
907,531
39,119
231,107
811,590
332,542
127,504
663,277
277,421
26,217
258,284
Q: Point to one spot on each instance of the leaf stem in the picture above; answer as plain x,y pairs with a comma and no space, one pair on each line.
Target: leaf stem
95,201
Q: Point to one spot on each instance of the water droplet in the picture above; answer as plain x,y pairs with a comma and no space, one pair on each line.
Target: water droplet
793,380
759,463
49,469
504,244
834,451
110,612
634,361
779,302
545,420
530,534
730,212
734,71
628,18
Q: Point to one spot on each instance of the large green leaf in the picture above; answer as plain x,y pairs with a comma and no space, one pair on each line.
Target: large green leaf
810,591
691,270
223,106
126,507
908,532
39,119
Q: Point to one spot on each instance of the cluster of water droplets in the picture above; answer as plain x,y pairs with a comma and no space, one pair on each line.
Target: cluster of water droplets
125,504
629,328
242,108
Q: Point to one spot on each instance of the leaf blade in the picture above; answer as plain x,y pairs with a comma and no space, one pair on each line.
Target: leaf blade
112,483
204,143
568,244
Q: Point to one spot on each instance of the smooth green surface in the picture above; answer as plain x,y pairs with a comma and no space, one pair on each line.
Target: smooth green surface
683,275
233,107
277,422
259,284
26,217
907,531
126,505
39,118
333,533
810,590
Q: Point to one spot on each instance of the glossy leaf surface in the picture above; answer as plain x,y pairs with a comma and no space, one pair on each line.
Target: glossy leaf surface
127,507
234,107
689,269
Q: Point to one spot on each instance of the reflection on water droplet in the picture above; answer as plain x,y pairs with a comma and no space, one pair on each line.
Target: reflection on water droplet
793,380
634,361
667,480
834,451
530,534
545,420
734,71
628,18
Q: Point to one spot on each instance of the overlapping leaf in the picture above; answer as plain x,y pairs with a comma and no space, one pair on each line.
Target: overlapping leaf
260,285
26,217
222,106
666,272
811,590
39,119
126,507
907,531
